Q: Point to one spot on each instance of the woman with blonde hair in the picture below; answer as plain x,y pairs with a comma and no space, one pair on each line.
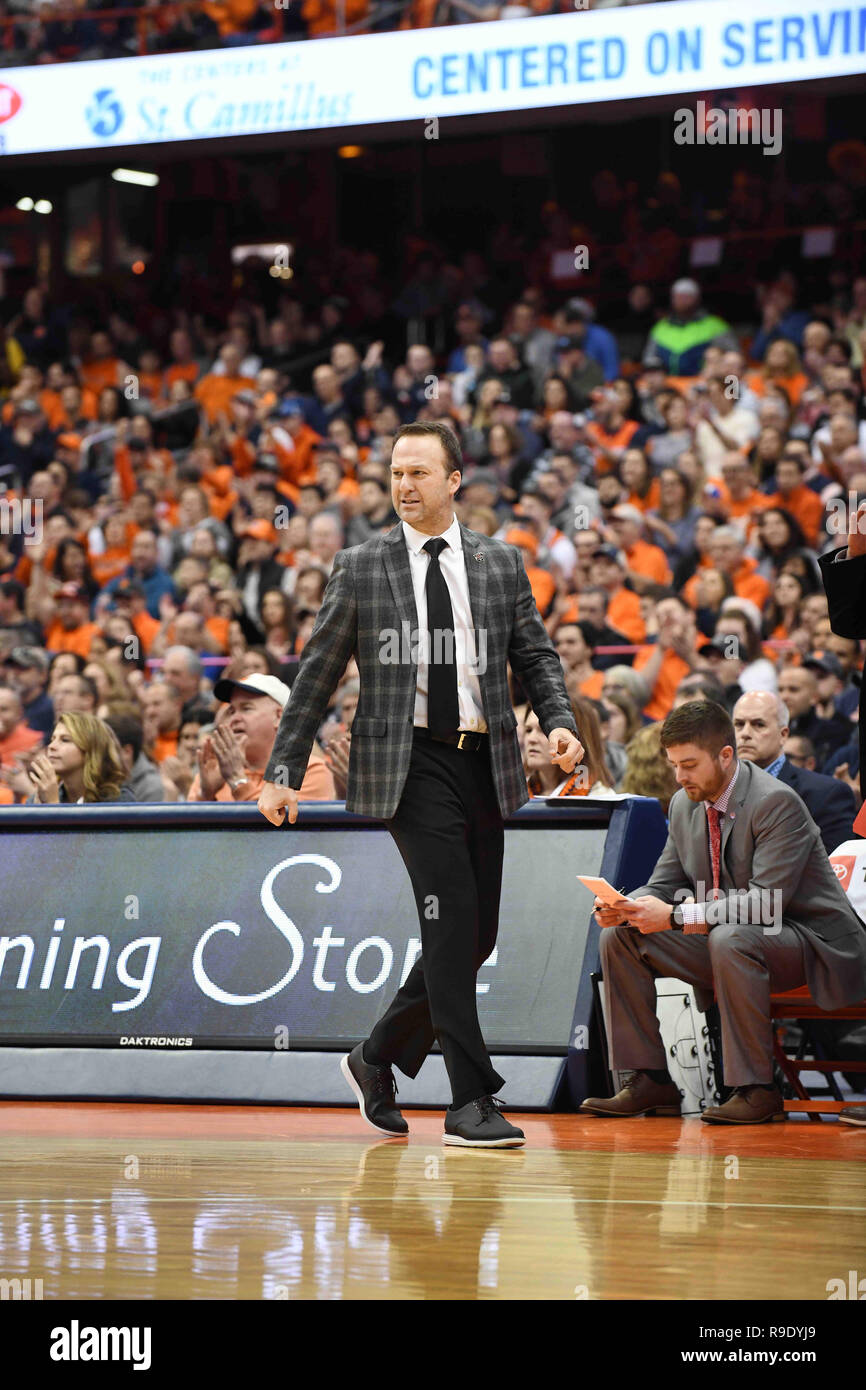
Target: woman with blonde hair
648,772
82,763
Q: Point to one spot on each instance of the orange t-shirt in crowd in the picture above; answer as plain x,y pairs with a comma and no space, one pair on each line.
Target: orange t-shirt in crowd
109,564
648,503
151,386
19,741
591,687
794,385
216,392
7,796
296,464
649,560
318,785
749,584
181,371
754,501
165,746
672,670
623,613
76,639
543,586
598,436
105,371
145,628
805,506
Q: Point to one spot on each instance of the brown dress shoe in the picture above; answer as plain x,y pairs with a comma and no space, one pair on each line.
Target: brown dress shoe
854,1115
639,1096
749,1105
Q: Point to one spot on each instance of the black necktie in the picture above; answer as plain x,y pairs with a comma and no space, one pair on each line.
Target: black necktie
442,709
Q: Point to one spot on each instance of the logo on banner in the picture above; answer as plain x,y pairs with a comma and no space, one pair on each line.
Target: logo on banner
105,113
10,102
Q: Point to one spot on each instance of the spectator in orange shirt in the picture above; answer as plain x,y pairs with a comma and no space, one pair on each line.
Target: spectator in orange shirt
637,476
542,583
573,643
15,735
726,552
673,656
607,571
130,601
183,365
793,496
740,496
215,391
114,559
782,366
609,432
232,760
161,717
103,367
645,563
71,631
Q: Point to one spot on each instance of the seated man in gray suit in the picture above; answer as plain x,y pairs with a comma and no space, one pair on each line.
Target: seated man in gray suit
768,915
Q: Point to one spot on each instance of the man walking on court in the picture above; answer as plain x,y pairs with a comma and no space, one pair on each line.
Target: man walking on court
432,613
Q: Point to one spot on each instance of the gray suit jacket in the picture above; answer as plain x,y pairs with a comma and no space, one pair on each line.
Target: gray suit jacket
770,845
369,594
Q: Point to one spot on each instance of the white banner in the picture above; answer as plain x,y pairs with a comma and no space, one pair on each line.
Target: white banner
557,60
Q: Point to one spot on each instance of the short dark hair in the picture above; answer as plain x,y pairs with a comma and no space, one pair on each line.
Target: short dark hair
702,722
129,730
11,588
446,437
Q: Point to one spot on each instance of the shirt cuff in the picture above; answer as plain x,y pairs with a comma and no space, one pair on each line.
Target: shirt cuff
694,919
843,555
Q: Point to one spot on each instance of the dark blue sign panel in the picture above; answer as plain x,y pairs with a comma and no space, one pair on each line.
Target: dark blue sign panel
184,935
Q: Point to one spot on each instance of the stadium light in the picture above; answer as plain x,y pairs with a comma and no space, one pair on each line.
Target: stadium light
135,176
24,205
43,206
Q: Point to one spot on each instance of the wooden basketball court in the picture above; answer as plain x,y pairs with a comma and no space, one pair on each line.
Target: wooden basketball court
121,1201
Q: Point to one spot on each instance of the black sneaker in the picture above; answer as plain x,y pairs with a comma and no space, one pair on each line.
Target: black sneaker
854,1115
375,1090
481,1125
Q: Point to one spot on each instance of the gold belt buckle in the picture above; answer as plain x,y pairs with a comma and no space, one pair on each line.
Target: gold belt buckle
460,741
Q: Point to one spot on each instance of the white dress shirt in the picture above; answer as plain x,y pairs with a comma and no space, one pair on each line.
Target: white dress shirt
452,563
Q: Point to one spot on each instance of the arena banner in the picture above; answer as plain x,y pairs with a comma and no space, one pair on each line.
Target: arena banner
189,936
430,74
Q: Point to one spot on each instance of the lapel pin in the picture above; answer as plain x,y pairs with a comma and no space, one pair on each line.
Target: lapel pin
479,556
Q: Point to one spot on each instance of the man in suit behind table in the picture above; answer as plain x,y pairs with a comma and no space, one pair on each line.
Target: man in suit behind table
768,916
434,753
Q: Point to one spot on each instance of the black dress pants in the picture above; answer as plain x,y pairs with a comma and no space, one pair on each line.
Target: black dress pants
450,834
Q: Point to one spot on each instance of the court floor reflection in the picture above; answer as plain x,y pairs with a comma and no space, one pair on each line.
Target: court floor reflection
650,1209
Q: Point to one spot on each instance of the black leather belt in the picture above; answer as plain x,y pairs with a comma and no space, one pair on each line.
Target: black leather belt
465,741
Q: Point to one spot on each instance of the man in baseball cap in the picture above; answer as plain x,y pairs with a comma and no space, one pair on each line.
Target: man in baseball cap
71,630
232,759
27,671
681,336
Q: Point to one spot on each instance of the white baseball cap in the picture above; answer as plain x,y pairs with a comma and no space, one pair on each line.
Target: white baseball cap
256,684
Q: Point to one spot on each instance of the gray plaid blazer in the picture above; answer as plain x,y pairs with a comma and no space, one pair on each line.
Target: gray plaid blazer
370,593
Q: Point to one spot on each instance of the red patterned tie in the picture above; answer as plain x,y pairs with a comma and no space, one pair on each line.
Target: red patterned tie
714,818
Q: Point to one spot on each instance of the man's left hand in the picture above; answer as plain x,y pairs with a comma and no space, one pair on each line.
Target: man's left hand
648,914
565,749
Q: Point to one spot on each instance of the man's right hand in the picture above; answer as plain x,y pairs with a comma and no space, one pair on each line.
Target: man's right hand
272,801
608,916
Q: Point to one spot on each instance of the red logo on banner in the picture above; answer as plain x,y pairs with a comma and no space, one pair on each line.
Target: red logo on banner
843,868
10,102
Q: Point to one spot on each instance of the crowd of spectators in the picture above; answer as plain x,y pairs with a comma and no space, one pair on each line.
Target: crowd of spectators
52,31
170,512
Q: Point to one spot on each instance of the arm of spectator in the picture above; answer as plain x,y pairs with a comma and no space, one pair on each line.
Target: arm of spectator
337,758
210,774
